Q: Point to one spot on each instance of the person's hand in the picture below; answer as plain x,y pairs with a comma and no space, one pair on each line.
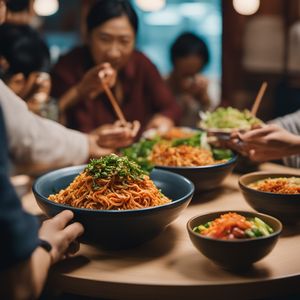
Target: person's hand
269,142
91,86
198,87
117,135
60,235
161,123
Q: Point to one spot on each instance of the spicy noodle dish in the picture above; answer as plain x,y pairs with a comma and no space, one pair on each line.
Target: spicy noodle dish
177,149
111,183
280,185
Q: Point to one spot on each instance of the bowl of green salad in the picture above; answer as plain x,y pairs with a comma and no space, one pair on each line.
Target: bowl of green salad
223,121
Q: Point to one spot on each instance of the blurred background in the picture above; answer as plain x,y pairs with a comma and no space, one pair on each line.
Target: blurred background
250,41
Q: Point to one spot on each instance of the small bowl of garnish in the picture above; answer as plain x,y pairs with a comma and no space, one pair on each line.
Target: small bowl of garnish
234,239
276,194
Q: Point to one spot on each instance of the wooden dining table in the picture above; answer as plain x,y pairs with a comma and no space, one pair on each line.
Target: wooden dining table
169,267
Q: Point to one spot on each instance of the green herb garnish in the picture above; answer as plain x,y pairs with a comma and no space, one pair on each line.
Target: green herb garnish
193,141
140,151
113,165
220,154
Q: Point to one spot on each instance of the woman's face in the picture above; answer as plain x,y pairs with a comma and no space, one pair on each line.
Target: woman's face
112,42
186,68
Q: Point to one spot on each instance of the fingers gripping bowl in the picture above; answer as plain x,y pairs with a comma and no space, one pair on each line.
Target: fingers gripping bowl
117,228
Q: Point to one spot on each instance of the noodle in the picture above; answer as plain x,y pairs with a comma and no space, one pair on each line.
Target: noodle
181,156
111,193
280,185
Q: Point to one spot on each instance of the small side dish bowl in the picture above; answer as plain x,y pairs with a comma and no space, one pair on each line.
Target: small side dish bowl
234,254
117,229
285,207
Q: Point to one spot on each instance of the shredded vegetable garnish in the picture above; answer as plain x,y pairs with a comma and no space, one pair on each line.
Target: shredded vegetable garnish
229,118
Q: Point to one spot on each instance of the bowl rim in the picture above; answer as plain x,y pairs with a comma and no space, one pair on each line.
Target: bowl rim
275,233
265,173
146,210
230,161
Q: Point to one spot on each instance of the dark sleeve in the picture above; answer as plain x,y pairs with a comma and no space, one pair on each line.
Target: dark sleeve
159,93
18,229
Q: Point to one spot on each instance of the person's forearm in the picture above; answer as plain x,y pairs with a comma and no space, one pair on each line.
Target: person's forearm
35,140
27,279
40,264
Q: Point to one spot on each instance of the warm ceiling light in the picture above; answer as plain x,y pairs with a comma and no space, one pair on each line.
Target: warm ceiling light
246,7
151,5
45,7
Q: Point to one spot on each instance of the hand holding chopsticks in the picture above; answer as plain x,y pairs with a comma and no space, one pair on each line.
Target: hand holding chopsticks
121,124
114,102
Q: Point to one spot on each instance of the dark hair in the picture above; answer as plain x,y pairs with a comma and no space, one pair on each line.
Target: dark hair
104,10
17,5
24,49
188,44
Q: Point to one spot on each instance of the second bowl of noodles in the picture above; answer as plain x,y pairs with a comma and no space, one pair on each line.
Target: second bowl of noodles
118,204
188,154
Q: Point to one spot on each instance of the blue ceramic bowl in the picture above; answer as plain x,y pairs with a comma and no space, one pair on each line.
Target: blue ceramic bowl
117,229
205,177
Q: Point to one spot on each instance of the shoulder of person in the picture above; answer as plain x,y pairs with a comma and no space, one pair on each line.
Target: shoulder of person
141,59
75,55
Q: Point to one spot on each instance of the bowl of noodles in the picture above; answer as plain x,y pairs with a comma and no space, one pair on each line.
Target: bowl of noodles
234,239
276,194
119,205
189,155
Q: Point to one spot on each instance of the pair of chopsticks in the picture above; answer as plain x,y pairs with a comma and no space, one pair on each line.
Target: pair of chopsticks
258,98
113,102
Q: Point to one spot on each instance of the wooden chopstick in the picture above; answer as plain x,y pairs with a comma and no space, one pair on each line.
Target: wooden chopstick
258,98
114,103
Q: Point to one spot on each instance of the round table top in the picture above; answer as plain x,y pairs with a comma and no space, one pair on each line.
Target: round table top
170,266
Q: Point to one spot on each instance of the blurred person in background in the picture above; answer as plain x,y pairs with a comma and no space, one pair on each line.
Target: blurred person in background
19,12
24,67
110,49
278,140
189,56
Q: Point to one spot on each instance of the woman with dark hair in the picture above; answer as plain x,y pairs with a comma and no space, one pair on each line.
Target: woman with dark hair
189,55
111,31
